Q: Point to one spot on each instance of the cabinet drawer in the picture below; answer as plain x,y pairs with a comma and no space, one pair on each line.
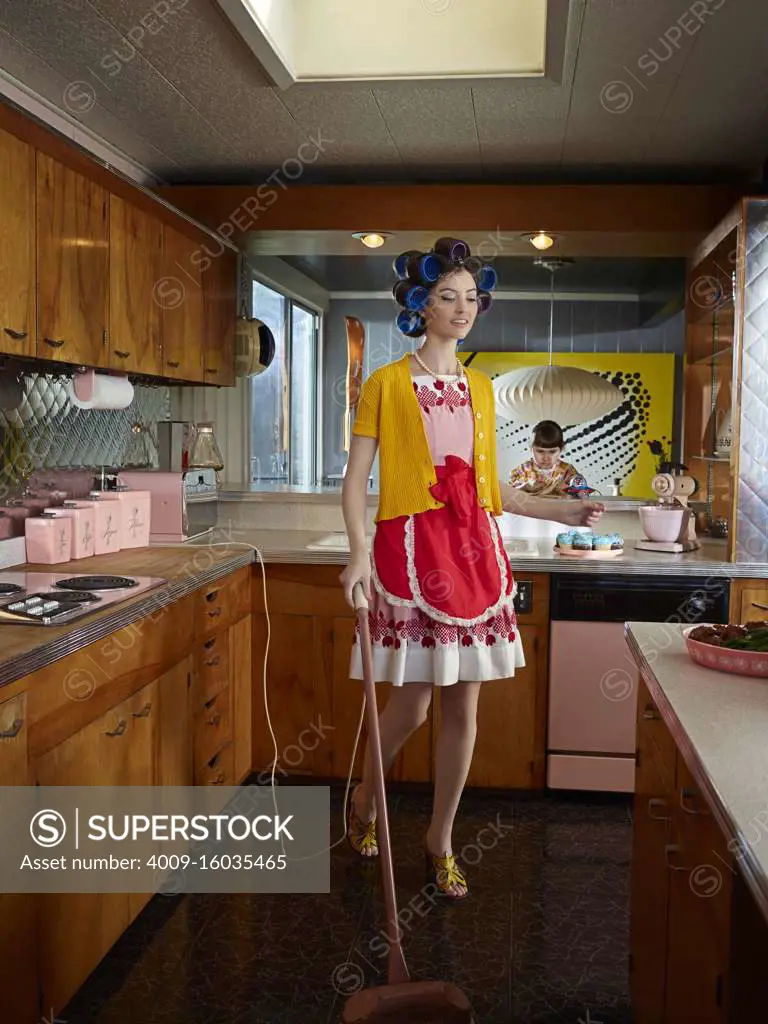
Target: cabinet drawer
211,671
219,770
223,602
212,727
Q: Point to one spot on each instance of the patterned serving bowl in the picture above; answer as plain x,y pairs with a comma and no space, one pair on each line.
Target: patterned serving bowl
726,659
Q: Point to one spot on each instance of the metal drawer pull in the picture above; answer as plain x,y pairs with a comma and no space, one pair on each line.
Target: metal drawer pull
214,720
213,661
119,730
211,595
53,342
123,355
174,365
212,701
650,715
689,794
211,369
755,604
655,802
209,643
16,335
13,731
143,713
215,612
671,848
220,778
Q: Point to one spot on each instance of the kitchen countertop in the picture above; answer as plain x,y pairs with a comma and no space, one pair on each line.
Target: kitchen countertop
25,649
291,546
720,723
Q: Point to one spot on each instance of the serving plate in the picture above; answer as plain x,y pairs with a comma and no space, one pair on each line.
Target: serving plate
573,553
726,659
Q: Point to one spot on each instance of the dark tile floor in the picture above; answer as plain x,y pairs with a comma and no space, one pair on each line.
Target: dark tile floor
542,940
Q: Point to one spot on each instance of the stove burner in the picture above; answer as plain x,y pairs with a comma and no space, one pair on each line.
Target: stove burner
80,596
10,588
96,583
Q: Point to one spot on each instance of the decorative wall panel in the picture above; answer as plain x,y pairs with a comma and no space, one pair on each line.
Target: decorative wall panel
45,430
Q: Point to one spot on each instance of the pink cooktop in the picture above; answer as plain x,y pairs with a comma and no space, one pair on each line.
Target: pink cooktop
50,598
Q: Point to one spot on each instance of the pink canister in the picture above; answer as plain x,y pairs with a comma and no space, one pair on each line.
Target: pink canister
83,527
136,516
48,539
108,522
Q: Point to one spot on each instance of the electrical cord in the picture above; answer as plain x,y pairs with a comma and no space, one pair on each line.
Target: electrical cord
252,547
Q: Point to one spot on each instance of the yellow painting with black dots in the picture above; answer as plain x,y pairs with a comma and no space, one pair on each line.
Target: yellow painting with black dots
612,447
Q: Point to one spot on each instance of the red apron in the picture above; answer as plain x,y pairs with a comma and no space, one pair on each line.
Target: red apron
450,562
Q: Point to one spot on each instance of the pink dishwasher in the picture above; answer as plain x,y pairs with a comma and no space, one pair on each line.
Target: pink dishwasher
592,678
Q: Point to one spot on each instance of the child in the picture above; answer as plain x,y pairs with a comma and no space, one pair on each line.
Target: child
546,472
441,607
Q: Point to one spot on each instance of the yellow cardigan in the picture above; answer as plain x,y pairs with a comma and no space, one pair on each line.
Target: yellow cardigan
388,410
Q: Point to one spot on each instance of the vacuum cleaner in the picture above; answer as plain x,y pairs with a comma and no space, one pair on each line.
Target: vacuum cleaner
401,1000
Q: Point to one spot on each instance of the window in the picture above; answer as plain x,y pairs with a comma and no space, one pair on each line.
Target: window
284,396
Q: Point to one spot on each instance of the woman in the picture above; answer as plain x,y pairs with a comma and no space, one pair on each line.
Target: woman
546,472
441,605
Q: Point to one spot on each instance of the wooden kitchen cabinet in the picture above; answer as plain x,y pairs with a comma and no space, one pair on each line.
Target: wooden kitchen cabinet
749,600
311,637
179,293
18,974
72,266
17,246
135,268
76,930
219,282
698,940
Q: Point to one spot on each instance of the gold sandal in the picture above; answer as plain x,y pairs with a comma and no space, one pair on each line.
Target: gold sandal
444,873
361,835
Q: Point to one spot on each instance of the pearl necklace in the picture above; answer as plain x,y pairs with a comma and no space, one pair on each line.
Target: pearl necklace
440,376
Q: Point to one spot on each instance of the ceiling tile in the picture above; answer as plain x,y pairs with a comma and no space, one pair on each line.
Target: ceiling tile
197,52
431,124
17,60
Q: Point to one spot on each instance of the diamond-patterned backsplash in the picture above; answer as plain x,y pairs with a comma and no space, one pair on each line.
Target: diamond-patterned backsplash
45,430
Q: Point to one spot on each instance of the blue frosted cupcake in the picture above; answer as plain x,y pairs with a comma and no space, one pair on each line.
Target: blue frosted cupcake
603,542
617,541
565,540
582,542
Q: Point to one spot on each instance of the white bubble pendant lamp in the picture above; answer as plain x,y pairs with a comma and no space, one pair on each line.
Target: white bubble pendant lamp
564,394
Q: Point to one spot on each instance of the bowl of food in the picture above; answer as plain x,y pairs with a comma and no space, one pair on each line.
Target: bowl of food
742,650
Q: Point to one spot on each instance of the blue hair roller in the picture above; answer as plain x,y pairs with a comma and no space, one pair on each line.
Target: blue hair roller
400,263
410,323
487,278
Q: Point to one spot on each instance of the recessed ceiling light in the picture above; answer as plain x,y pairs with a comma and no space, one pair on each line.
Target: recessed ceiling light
371,239
541,240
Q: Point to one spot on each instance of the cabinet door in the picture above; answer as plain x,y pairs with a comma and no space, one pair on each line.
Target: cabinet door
505,752
220,308
13,742
241,683
300,663
180,296
17,246
754,603
18,964
653,801
174,764
72,265
135,255
78,929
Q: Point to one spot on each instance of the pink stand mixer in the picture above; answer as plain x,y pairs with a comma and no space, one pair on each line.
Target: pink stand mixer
670,525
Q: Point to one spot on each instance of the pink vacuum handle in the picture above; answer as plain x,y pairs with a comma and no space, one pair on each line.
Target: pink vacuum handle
358,595
397,971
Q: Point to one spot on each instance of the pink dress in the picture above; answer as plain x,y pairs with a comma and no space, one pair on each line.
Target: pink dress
442,586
